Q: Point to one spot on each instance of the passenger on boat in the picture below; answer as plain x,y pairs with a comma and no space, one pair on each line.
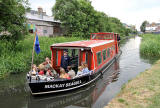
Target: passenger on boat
79,73
65,60
82,64
42,75
49,73
63,74
55,74
71,72
47,63
118,39
41,68
34,70
85,69
41,72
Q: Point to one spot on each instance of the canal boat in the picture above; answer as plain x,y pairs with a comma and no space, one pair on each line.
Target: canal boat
85,97
99,53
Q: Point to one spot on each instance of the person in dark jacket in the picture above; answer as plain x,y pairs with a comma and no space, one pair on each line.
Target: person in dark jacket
65,60
118,39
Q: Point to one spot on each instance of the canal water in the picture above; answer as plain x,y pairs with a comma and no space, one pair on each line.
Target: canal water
15,94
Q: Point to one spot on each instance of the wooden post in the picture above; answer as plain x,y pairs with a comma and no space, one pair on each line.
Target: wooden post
33,50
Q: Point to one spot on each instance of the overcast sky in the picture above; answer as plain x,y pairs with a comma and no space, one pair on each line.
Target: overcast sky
128,11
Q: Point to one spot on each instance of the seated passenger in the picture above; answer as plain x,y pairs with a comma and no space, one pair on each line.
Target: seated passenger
41,72
49,73
47,63
71,72
79,73
55,74
63,74
85,69
34,70
41,68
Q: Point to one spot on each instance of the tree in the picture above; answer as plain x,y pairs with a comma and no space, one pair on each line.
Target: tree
12,19
79,18
117,26
143,26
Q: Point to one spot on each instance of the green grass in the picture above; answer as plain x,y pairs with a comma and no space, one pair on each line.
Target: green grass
150,45
155,101
141,92
121,100
17,59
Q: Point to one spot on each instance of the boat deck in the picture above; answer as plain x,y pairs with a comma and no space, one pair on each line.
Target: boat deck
55,79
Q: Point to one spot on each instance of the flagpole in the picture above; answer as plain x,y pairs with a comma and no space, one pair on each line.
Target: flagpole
33,49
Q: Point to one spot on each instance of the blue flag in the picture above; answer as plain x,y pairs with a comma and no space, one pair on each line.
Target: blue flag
36,46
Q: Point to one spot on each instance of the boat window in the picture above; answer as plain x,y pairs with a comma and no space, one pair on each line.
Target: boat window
104,54
70,52
86,57
99,58
113,48
76,52
108,52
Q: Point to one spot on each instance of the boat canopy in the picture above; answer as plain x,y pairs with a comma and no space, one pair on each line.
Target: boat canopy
82,44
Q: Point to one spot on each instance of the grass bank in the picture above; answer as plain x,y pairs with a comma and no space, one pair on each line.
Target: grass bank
17,59
141,92
150,45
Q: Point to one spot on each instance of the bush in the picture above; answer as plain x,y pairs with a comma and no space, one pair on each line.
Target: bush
19,59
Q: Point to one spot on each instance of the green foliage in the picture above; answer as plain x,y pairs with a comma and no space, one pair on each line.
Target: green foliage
117,26
12,20
79,19
150,45
143,26
18,60
121,100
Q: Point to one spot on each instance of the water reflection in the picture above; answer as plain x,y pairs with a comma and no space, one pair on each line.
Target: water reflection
149,59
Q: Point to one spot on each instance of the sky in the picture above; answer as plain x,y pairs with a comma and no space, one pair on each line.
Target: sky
128,11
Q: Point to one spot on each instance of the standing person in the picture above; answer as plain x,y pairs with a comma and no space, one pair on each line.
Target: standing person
118,39
65,60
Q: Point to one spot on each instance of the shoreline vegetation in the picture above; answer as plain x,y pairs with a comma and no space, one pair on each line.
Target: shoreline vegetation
142,91
150,45
17,59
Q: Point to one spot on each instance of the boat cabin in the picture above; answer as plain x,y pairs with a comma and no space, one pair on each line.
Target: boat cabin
96,52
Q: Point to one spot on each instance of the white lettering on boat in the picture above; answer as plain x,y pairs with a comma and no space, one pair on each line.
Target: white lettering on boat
63,85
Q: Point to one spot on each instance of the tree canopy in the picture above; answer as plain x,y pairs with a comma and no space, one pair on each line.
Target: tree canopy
143,26
12,19
79,18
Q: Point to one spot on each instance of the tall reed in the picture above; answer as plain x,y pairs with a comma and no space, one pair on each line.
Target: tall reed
150,45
